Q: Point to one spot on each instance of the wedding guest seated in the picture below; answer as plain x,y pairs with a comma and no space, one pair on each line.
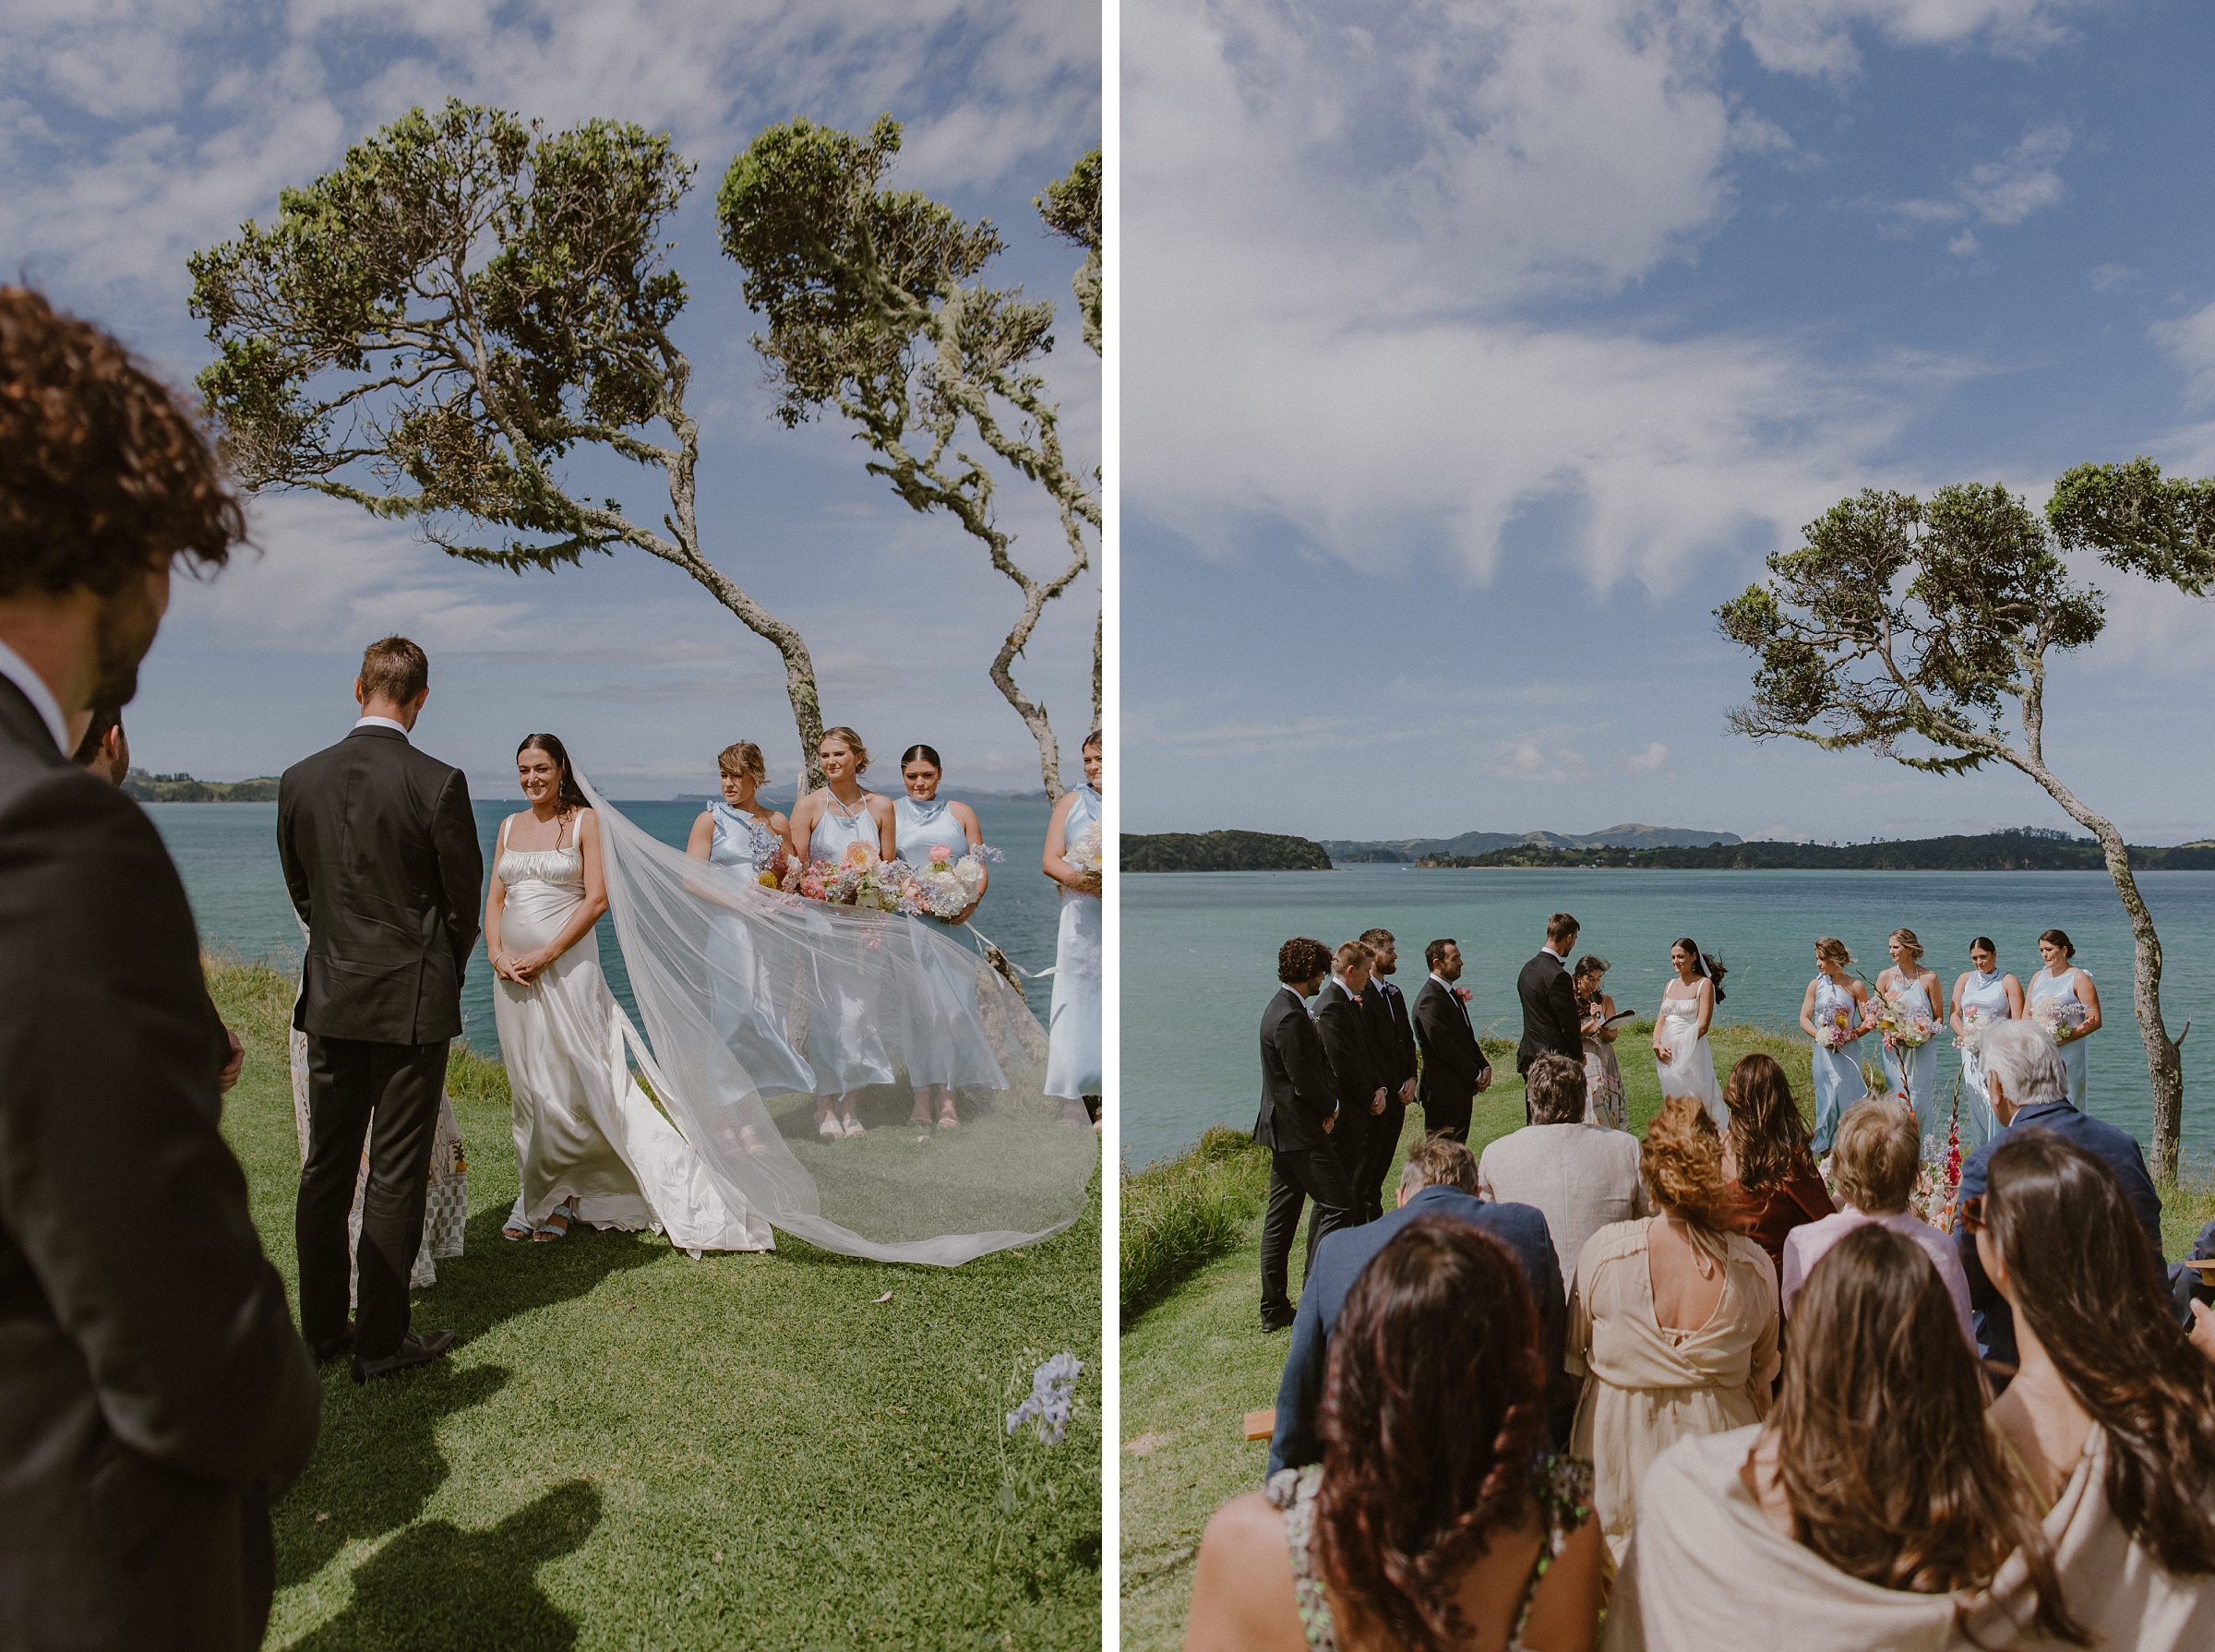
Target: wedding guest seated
1434,1520
2111,1417
2028,1089
1673,1319
1870,1509
1439,1179
1767,1156
1874,1161
1582,1178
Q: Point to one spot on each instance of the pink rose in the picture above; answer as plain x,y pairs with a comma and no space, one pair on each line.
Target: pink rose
940,855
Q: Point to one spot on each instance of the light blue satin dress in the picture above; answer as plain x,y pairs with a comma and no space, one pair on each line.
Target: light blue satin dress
2045,984
943,1035
1838,1071
1915,1071
1073,1057
1987,992
844,1046
742,1000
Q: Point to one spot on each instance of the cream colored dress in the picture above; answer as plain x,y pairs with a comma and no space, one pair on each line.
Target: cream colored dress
1646,1386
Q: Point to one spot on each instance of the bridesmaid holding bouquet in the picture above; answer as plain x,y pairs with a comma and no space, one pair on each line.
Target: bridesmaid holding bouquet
2065,1003
1982,998
1910,1010
1833,1014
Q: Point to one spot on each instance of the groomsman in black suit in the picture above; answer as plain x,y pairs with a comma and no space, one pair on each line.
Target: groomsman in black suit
1550,1018
1391,1034
1299,1105
155,1398
1455,1067
1358,1059
381,855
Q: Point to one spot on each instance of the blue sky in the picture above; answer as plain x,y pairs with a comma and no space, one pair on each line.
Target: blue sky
1474,353
133,131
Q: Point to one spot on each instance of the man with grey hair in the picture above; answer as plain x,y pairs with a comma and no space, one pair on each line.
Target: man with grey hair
1582,1176
2030,1090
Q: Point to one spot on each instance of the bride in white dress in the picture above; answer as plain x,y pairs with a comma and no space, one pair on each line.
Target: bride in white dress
1681,1059
590,1144
1072,1067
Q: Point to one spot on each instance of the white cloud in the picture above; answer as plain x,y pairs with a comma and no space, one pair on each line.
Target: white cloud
1652,761
1816,37
2106,278
2021,181
1526,760
1964,245
2190,342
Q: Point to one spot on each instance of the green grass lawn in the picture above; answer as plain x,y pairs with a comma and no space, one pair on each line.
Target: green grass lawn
1196,1361
631,1449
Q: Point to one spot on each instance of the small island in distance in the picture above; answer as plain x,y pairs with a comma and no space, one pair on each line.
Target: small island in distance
1221,852
184,788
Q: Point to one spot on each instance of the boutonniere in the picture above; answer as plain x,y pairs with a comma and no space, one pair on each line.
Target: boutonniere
1462,993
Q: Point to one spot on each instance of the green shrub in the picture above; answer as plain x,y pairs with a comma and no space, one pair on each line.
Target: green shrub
1181,1214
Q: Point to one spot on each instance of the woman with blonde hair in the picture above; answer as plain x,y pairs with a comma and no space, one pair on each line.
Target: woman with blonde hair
1673,1320
1912,1070
1831,1013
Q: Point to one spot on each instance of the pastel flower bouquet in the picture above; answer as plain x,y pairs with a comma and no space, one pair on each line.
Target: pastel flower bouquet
1904,1019
2059,1021
1974,1020
859,877
1837,1028
944,887
1088,853
1940,1178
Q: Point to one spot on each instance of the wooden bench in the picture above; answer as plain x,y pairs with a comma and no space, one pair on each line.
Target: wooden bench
1261,1425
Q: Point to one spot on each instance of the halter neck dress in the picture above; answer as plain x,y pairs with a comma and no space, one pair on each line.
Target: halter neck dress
1914,1072
749,1009
1073,1062
844,1047
2062,988
1986,992
1838,1071
943,1042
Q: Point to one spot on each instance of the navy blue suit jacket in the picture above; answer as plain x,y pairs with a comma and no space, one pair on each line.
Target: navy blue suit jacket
2118,1148
1338,1263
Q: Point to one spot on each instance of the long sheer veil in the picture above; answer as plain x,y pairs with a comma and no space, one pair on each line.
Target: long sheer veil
752,1000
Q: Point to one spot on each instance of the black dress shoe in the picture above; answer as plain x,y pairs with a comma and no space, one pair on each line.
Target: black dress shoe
413,1352
1271,1326
343,1342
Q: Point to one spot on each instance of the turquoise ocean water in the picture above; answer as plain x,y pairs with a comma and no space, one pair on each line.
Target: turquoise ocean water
227,855
1199,961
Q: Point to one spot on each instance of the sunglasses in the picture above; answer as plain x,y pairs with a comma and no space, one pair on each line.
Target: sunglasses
1972,1213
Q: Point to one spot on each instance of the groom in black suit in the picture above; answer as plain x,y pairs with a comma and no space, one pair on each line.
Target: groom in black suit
1455,1067
1550,1018
155,1398
1298,1107
381,855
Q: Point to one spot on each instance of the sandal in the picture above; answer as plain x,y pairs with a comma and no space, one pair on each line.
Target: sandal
947,1120
556,1226
515,1231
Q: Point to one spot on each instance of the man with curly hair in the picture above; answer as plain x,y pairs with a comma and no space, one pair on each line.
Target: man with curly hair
154,1396
1299,1108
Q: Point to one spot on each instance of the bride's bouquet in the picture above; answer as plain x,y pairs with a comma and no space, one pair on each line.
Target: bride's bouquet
2057,1019
1088,854
945,888
1837,1028
859,877
1904,1018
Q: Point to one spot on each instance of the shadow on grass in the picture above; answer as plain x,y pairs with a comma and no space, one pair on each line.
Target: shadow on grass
439,1587
379,1461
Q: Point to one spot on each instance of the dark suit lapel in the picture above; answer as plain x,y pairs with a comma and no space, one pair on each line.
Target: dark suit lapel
25,727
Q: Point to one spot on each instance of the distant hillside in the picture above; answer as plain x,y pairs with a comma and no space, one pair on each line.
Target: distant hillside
1222,852
2019,851
1347,852
182,788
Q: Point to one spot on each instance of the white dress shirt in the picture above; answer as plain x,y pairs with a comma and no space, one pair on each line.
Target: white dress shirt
17,669
394,723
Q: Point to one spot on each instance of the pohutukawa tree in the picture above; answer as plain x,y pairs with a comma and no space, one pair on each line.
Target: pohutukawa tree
877,310
466,302
1921,633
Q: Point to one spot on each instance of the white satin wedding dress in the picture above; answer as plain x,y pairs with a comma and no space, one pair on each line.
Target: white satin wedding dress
1690,1068
583,1128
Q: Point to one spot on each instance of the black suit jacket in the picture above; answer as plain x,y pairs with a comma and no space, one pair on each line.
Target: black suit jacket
154,1396
1453,1063
1550,1019
1392,1031
1298,1092
381,855
1357,1065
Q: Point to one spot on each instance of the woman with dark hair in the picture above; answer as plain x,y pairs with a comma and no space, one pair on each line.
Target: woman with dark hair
1075,859
1673,1319
590,1145
1870,1510
1766,1157
1982,997
1604,1102
1681,1060
928,828
1434,1520
2063,1001
2111,1414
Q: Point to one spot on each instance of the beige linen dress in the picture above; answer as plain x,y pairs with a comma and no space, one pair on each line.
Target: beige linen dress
1646,1386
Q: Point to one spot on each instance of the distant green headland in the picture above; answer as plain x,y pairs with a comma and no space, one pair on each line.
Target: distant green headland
2030,849
182,788
1222,852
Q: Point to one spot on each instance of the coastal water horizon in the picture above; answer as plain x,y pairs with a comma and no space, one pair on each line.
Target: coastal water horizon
1200,950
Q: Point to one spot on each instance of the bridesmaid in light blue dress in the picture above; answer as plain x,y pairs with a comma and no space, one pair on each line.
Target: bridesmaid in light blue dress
923,821
1914,1072
844,1045
2063,981
738,831
1992,997
1073,1057
1838,1071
